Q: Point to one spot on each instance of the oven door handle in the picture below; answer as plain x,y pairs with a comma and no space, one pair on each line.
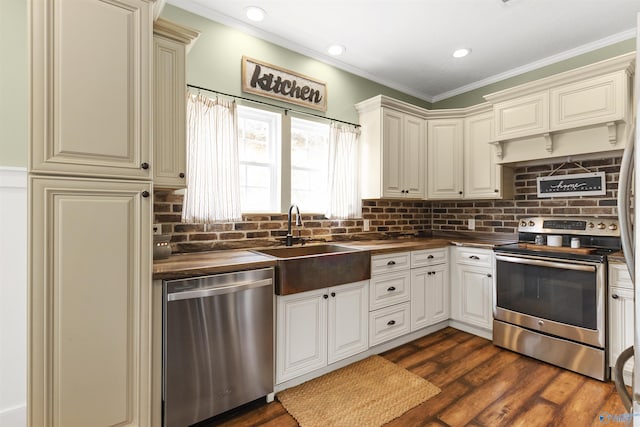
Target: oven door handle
546,263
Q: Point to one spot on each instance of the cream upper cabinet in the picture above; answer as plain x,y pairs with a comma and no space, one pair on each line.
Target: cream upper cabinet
89,302
527,115
170,43
393,146
483,177
91,87
597,100
444,159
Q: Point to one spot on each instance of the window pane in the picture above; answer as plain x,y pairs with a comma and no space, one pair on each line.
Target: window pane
309,164
259,145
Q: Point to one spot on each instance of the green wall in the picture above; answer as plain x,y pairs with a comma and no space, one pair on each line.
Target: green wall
13,83
214,62
476,96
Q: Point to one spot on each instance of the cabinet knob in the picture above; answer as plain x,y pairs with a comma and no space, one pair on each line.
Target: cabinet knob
430,257
474,257
489,275
145,165
392,262
496,191
459,192
391,288
145,193
391,322
333,294
615,296
181,175
325,296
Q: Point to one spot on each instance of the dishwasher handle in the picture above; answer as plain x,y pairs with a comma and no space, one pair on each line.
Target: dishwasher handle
218,290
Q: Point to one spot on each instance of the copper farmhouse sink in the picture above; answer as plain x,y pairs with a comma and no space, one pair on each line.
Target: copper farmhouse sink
305,268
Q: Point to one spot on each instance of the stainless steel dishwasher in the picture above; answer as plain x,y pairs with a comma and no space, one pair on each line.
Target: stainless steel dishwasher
217,344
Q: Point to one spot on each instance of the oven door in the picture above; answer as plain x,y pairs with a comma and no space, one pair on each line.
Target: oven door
558,297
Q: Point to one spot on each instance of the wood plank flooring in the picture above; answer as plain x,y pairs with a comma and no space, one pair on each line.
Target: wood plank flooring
482,385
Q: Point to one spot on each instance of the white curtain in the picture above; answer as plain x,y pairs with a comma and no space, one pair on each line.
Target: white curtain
213,183
344,173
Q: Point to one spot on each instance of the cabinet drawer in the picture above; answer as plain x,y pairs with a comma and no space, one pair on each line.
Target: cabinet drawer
474,256
388,323
390,262
388,289
429,257
619,276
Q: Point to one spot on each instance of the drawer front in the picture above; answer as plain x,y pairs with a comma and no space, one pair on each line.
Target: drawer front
429,257
619,276
388,323
388,289
474,256
390,262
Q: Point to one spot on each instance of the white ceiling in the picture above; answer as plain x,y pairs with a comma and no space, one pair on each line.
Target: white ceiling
407,44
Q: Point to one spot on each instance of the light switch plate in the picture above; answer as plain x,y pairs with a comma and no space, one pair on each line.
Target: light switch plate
157,228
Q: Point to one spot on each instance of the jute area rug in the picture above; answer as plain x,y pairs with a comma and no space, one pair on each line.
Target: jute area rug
368,393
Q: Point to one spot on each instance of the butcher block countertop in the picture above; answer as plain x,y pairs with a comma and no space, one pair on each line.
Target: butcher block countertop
180,266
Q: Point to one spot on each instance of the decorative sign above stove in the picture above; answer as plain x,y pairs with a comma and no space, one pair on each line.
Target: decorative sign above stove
279,83
579,184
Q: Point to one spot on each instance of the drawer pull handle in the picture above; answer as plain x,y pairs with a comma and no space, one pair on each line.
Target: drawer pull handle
392,262
391,322
391,288
430,257
615,296
474,257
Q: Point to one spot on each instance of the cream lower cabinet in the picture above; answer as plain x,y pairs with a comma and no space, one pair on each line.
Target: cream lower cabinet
429,287
320,327
472,287
91,87
621,312
444,159
89,302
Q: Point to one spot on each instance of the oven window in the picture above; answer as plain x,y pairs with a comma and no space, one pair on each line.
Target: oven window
565,296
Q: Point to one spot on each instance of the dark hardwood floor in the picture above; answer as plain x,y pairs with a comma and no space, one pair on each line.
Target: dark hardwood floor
482,385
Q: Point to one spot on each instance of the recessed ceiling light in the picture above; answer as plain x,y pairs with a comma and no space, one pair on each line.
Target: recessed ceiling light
255,13
336,50
461,53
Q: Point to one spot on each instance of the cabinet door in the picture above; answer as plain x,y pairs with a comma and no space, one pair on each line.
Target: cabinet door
473,293
429,295
348,320
621,312
169,113
524,116
444,159
89,330
438,292
91,87
301,340
481,173
392,154
414,148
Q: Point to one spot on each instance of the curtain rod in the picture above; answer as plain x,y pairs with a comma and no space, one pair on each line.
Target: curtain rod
272,105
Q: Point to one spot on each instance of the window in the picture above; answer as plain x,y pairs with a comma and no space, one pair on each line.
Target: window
259,154
309,164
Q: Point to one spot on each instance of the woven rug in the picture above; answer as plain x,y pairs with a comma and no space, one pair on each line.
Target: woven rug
370,392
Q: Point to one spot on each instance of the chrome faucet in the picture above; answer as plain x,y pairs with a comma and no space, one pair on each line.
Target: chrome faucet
289,240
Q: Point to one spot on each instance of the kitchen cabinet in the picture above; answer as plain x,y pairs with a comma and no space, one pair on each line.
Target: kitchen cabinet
444,159
89,302
523,116
91,88
472,287
320,327
621,312
393,149
429,287
484,178
170,43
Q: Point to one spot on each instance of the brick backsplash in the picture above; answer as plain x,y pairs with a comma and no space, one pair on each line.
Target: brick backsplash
395,216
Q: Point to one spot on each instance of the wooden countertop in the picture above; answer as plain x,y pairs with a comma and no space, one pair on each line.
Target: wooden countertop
180,266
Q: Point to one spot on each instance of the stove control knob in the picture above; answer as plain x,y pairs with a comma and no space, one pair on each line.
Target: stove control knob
601,226
523,223
531,223
613,227
591,225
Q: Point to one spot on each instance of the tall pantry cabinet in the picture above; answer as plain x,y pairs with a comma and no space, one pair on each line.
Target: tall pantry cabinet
90,213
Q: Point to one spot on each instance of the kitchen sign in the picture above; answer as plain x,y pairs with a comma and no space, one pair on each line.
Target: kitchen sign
580,184
278,83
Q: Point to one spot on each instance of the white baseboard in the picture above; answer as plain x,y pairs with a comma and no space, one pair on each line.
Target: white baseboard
14,417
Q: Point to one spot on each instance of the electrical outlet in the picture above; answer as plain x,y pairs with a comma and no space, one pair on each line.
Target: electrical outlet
366,225
471,225
157,228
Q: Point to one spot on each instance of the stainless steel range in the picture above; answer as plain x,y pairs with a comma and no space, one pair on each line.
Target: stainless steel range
550,292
